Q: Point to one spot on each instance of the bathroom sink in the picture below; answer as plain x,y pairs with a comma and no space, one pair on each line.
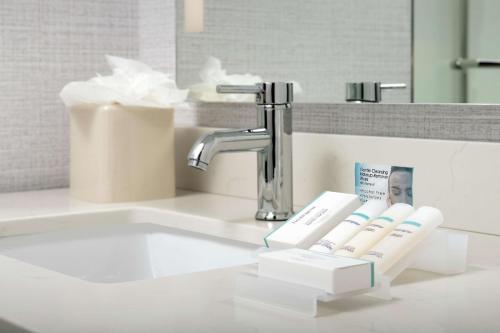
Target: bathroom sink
125,246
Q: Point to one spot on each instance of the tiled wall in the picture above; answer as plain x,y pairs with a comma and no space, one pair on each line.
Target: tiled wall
47,43
322,44
465,122
157,34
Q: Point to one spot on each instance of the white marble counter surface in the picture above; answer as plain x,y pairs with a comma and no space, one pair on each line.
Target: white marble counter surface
39,300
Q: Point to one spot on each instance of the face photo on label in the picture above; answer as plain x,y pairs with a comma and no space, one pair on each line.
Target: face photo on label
400,185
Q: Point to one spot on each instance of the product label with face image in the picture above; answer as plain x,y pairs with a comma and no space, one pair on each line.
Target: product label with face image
384,182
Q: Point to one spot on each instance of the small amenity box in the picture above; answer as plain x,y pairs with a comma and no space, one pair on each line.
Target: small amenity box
314,221
327,272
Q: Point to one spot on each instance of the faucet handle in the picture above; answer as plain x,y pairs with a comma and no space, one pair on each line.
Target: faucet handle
265,92
368,91
238,89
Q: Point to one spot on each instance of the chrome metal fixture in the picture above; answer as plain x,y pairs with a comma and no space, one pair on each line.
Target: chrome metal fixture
370,92
462,63
272,140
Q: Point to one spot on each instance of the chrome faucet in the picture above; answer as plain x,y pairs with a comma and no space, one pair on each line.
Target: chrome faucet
272,140
368,92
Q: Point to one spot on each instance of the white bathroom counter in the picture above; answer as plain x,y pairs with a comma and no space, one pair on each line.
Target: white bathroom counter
45,301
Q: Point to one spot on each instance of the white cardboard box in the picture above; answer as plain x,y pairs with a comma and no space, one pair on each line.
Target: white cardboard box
314,221
327,272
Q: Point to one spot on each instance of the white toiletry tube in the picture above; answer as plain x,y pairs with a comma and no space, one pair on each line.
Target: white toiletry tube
313,222
346,229
404,238
375,231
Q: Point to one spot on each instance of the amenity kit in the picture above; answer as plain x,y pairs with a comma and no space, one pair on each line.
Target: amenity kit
337,247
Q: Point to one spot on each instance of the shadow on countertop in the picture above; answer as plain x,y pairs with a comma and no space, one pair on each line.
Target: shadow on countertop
7,327
411,276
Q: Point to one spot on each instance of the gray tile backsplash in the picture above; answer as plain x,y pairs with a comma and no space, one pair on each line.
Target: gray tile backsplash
466,122
47,43
157,34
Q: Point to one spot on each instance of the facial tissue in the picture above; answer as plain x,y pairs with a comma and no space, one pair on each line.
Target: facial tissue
132,83
213,74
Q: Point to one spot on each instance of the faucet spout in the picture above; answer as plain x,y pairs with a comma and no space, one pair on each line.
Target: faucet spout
272,140
207,146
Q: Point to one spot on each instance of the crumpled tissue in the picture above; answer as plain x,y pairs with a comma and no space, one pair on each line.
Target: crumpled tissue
132,83
212,75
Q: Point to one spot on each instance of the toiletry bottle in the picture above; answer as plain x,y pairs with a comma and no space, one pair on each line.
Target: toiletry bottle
310,224
404,238
349,227
375,231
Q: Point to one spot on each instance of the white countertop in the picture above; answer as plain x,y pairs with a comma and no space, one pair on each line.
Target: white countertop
45,301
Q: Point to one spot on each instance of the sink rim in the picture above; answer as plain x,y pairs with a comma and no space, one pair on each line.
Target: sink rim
60,222
10,227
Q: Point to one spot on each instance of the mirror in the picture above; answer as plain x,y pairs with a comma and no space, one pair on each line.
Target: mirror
456,51
424,50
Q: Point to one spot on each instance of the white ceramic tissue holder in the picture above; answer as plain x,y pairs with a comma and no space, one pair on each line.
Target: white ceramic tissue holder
121,153
442,252
122,133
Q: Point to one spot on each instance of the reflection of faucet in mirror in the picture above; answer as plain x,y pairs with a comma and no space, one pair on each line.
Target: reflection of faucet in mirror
370,92
272,140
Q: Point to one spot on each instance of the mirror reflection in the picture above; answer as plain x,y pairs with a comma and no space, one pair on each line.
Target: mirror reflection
421,51
319,44
457,51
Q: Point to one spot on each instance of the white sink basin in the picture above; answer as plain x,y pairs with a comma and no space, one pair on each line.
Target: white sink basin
125,246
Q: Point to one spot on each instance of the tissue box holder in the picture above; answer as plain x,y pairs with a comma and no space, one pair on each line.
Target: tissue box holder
121,153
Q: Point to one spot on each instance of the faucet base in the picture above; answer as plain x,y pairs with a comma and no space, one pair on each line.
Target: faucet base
272,216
